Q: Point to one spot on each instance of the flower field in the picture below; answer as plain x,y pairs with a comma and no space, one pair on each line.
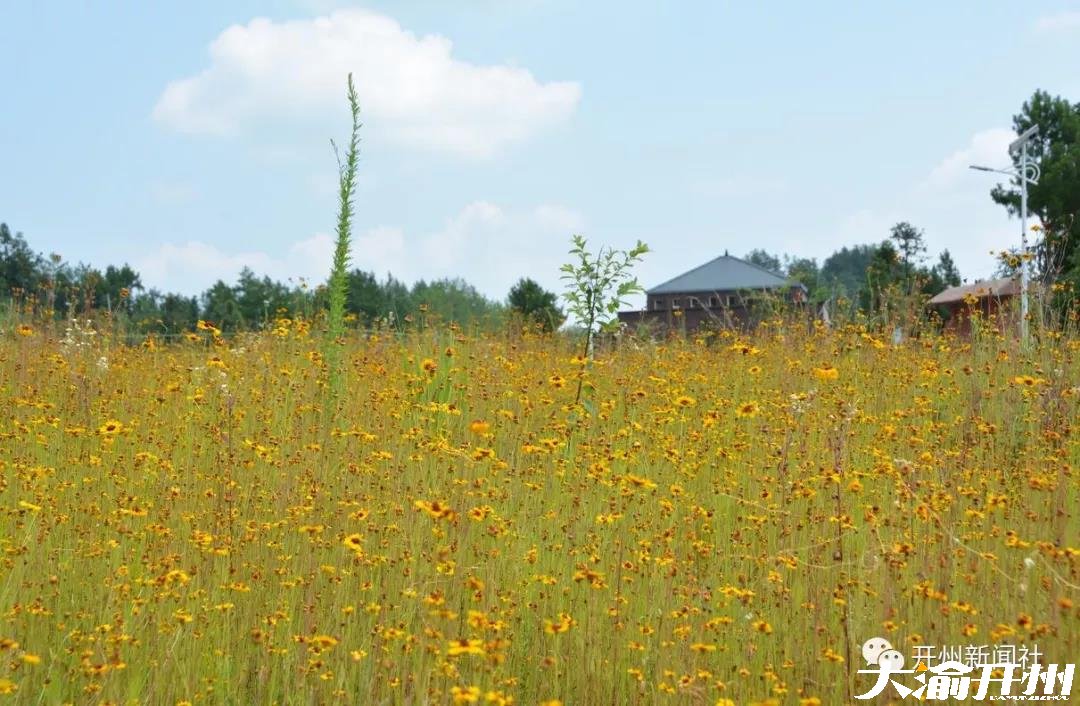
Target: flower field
724,520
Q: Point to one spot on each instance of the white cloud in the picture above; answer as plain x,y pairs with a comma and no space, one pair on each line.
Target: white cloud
485,244
988,148
1062,21
192,266
411,87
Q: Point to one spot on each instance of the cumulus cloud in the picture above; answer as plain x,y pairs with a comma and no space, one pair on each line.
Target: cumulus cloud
988,148
487,245
411,88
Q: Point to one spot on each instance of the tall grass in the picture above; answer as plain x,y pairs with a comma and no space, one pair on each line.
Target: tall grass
337,284
735,518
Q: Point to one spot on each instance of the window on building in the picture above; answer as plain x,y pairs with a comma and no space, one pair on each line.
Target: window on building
676,304
658,304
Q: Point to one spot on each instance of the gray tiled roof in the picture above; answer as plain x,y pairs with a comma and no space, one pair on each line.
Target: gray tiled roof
723,273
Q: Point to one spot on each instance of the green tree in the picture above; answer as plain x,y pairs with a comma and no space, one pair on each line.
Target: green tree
220,307
365,297
456,300
534,303
764,260
884,273
1055,200
946,271
179,313
806,271
911,245
113,289
21,269
844,272
259,299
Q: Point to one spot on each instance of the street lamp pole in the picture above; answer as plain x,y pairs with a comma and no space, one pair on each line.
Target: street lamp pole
1027,173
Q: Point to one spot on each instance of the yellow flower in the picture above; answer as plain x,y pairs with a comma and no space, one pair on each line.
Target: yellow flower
24,330
436,510
465,646
563,624
481,512
7,686
747,409
324,642
111,427
685,401
31,659
465,695
826,372
429,366
354,541
479,426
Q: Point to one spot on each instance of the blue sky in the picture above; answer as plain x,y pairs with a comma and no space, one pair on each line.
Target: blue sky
191,139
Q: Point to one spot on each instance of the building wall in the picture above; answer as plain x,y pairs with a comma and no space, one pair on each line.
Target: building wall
998,312
693,310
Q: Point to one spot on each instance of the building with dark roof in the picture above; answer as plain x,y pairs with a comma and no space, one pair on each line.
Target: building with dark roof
722,293
990,300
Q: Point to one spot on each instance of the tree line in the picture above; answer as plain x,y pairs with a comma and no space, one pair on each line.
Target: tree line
860,275
864,276
53,287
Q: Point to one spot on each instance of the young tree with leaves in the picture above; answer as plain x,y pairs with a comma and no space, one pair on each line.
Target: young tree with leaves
596,286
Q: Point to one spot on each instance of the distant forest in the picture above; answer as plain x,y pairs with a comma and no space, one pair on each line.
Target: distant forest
856,276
